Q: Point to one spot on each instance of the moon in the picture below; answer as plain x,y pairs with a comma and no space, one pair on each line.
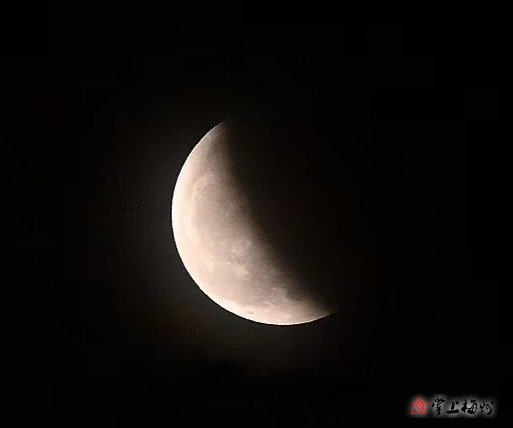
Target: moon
225,250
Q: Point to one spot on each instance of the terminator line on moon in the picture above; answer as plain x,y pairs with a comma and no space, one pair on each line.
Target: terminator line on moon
223,248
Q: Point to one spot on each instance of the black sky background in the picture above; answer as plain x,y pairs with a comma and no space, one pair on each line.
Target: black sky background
101,322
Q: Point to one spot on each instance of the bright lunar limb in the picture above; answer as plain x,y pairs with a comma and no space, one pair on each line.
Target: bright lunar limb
223,248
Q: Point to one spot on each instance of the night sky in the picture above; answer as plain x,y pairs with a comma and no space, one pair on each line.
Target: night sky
102,323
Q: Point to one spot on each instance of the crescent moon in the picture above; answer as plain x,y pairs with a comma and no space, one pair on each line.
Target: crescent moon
223,248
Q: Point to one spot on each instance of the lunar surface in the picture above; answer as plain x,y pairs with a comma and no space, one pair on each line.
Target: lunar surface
224,249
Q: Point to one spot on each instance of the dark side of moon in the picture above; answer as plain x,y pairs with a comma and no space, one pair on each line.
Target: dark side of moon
267,225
